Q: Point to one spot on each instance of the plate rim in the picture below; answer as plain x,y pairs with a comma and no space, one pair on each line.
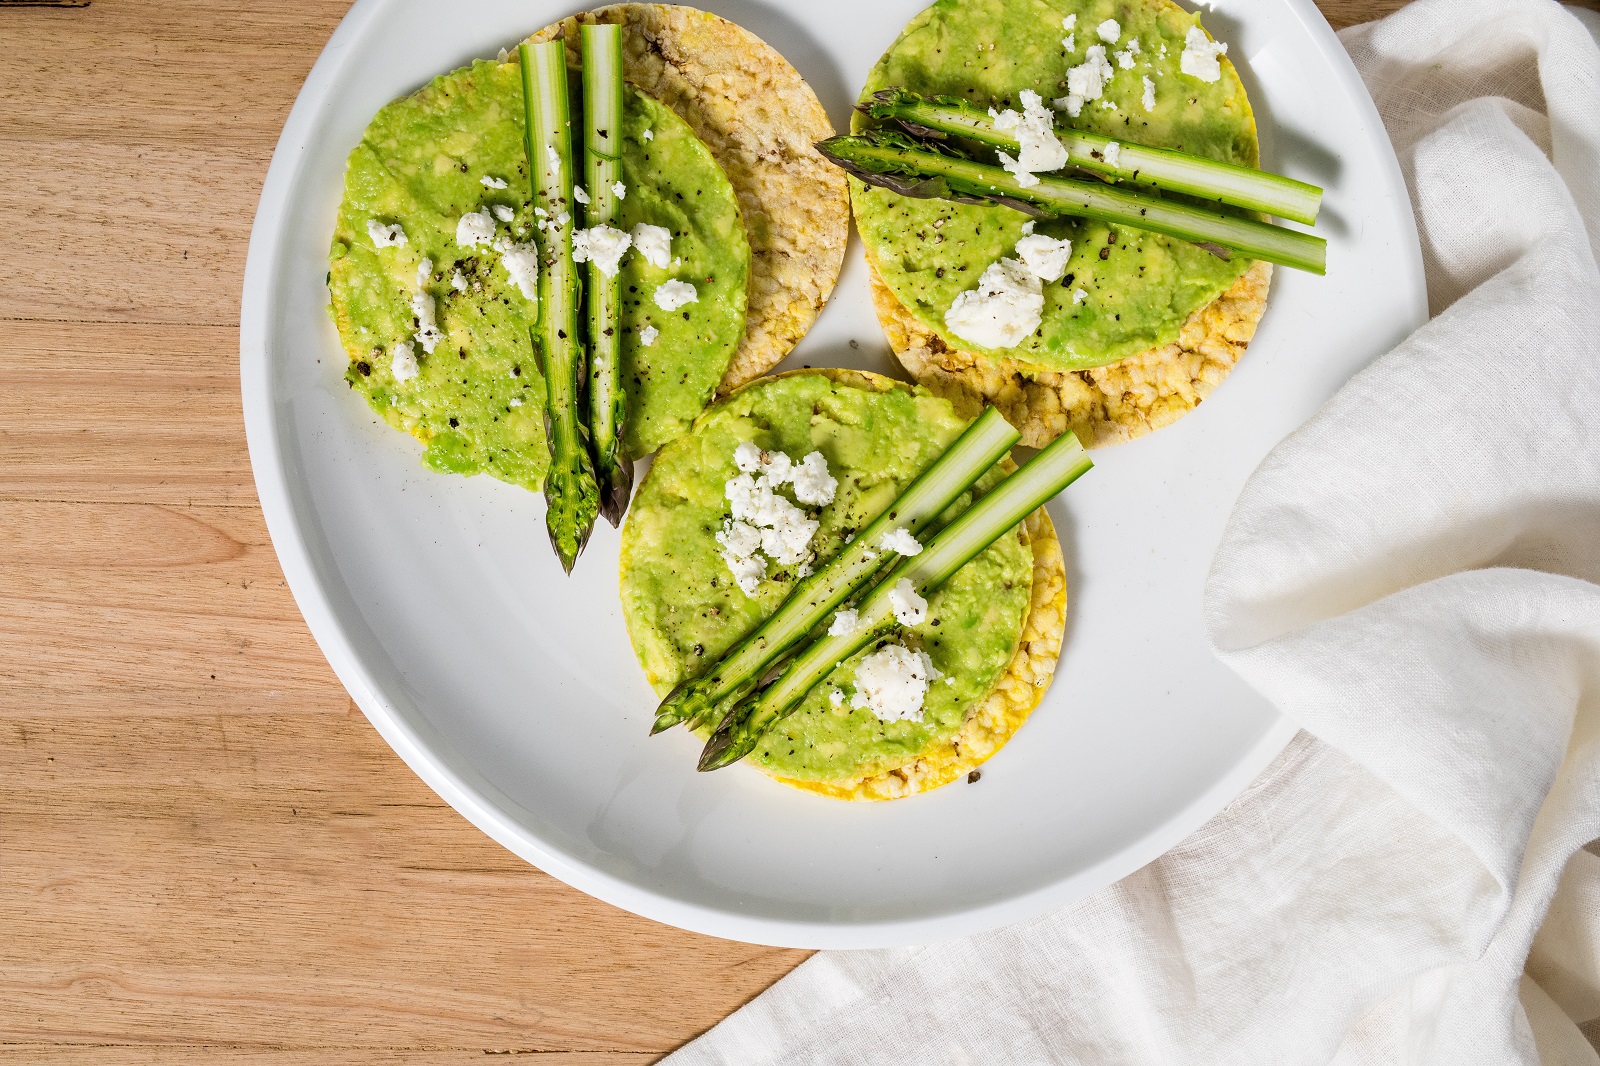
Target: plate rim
285,530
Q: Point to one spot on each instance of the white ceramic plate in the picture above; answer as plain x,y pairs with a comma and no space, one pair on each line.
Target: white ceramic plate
513,692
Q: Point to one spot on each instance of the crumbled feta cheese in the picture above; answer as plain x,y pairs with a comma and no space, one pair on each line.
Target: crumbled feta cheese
910,609
514,402
1072,105
403,361
552,158
540,212
1039,149
492,183
1109,105
649,134
475,228
390,236
424,272
836,697
1070,42
1007,305
654,243
1149,100
1027,227
785,530
747,571
580,194
602,245
671,295
552,224
1125,58
1113,154
1163,49
458,281
1078,296
1045,256
812,483
501,56
845,624
648,335
741,538
1087,80
503,213
899,539
789,539
1070,22
892,682
620,190
747,457
1109,31
522,266
427,334
1199,59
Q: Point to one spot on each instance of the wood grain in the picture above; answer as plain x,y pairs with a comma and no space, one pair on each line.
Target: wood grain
206,853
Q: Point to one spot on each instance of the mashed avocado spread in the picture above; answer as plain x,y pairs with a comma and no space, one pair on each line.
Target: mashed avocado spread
1125,290
477,400
683,609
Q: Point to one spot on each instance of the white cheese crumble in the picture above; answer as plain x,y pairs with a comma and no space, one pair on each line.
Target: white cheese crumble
620,190
424,272
763,523
514,402
1113,154
671,295
654,243
1087,80
1045,256
1039,149
503,213
1125,58
403,362
892,683
1027,227
1109,31
501,56
492,183
580,194
845,623
836,697
1149,100
1199,59
910,609
812,483
899,539
427,334
648,335
552,158
1070,22
1007,305
1070,42
748,457
522,266
602,245
1078,296
649,134
458,281
475,228
741,548
1109,105
390,236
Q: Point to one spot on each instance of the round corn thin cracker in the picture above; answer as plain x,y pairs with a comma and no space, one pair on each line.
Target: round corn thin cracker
996,719
1106,405
760,120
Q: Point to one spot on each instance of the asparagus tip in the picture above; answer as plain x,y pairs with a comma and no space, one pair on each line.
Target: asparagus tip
720,751
616,487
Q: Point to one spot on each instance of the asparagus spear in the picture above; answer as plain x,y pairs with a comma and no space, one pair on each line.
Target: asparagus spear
985,522
897,163
570,493
980,446
1160,168
602,148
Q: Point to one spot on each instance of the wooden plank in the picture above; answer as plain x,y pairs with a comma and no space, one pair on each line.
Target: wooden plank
281,880
180,1055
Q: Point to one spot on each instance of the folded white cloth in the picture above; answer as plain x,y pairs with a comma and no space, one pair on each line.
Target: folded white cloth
1414,577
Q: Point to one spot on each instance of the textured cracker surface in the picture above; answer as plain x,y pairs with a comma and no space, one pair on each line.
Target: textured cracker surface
1105,405
995,720
760,120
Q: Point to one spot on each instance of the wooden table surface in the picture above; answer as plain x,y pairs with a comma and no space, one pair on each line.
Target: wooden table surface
206,853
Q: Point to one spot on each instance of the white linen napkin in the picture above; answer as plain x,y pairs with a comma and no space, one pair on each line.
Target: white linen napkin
1413,577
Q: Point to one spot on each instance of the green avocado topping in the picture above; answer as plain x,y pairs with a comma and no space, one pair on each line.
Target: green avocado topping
683,609
478,398
1125,290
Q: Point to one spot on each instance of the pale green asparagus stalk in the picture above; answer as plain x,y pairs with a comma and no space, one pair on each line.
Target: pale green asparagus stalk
602,157
571,495
979,526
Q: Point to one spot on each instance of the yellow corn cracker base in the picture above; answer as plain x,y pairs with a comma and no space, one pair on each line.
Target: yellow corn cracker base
760,120
1105,405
